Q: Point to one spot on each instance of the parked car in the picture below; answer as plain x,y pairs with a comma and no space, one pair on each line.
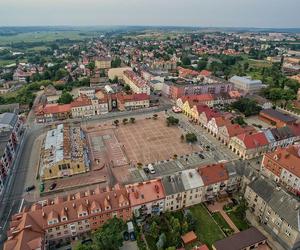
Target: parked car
201,156
52,186
126,236
146,170
28,189
132,236
151,169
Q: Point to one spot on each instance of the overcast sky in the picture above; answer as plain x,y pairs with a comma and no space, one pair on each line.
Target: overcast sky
224,13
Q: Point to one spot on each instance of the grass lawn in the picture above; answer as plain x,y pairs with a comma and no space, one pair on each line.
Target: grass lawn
222,223
207,230
241,223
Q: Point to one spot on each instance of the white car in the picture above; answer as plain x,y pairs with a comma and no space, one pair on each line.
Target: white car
151,169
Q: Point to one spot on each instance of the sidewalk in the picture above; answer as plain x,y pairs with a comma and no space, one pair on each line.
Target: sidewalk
218,207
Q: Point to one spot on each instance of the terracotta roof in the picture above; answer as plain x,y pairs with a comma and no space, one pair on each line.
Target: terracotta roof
56,108
144,192
288,158
28,227
26,233
80,101
131,98
205,72
236,129
189,237
210,113
138,81
253,140
213,174
194,99
201,108
187,72
221,121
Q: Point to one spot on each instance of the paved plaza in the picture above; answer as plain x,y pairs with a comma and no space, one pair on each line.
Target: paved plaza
149,141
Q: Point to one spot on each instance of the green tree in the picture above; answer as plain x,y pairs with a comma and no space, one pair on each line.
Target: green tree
191,137
154,230
185,61
239,120
109,236
116,122
275,94
65,98
125,121
184,227
246,106
116,62
127,88
91,65
171,120
155,116
132,119
84,247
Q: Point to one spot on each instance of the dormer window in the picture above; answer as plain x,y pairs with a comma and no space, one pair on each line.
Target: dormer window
53,221
64,218
97,210
82,214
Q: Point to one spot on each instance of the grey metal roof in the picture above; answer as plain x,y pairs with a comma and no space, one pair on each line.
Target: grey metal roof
173,184
278,115
263,188
8,119
281,202
286,207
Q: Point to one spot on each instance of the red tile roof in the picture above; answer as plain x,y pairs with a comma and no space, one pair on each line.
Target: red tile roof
253,140
194,99
213,173
134,97
205,72
288,158
144,192
56,108
189,237
80,101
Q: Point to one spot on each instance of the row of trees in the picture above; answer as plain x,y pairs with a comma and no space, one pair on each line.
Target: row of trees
165,230
124,121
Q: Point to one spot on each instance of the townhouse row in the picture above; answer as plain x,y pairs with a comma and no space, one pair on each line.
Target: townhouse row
11,130
85,106
65,218
245,141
